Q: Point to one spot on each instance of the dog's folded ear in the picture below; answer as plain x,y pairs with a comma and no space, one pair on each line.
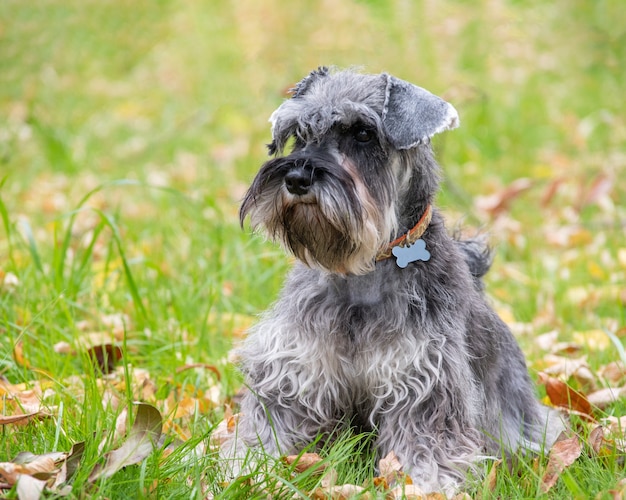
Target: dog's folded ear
412,115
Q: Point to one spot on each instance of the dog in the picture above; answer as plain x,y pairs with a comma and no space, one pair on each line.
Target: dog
383,323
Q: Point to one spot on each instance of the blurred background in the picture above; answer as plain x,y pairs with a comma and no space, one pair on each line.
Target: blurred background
130,130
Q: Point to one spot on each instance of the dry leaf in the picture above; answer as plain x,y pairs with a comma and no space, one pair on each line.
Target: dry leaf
18,355
62,348
604,397
546,341
619,492
408,492
499,202
142,438
29,487
224,429
492,478
305,461
563,454
13,419
566,368
601,187
341,492
206,366
564,396
614,372
596,438
105,357
595,340
616,425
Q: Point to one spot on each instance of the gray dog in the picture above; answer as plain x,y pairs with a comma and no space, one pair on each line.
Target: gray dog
382,324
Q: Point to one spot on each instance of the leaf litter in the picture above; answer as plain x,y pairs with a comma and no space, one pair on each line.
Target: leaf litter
570,382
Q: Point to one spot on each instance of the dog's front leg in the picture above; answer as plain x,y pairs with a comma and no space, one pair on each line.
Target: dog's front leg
435,439
273,423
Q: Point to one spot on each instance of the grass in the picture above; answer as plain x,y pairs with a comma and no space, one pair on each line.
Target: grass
128,134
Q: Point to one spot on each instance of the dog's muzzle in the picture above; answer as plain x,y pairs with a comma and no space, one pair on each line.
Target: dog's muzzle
299,179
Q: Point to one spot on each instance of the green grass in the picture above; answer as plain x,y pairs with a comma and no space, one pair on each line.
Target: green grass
129,131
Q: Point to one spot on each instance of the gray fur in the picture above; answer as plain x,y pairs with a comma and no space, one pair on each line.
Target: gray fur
414,354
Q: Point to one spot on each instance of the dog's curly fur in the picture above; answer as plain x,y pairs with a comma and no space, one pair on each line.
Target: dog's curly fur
414,354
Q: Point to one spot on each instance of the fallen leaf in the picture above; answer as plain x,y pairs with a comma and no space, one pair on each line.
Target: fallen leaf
601,186
62,348
29,487
391,471
563,454
341,492
224,429
614,372
604,397
206,366
616,425
18,355
9,281
70,465
305,461
619,492
499,202
564,396
105,357
595,439
408,492
595,340
546,341
550,192
492,478
12,419
141,441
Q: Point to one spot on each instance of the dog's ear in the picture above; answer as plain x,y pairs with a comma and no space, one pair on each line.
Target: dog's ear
280,133
302,86
412,115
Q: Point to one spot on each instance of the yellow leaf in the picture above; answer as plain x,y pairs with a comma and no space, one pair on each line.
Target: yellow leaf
595,270
596,340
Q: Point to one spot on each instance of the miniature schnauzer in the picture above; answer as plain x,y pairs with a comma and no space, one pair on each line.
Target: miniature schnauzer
383,323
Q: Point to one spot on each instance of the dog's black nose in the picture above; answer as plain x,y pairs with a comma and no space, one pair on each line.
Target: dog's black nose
298,181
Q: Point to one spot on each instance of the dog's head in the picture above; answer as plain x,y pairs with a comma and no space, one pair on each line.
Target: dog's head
359,145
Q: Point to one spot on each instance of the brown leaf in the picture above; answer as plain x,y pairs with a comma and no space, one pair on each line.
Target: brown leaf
409,492
601,186
595,439
29,487
550,192
105,356
341,492
18,355
206,366
499,202
492,478
562,395
391,472
563,454
305,461
619,492
225,429
604,397
12,419
142,438
614,372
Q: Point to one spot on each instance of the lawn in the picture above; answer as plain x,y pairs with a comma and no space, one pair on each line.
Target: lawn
129,132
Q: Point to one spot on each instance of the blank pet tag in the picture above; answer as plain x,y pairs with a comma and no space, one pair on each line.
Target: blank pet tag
412,253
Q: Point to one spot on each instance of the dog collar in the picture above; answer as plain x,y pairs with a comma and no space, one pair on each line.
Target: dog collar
409,247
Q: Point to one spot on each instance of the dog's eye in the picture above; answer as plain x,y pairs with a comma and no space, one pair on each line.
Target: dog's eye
363,135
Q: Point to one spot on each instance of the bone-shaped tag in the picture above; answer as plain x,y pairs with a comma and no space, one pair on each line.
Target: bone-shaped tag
412,253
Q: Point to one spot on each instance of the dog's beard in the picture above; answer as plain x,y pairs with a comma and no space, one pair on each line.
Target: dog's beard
337,227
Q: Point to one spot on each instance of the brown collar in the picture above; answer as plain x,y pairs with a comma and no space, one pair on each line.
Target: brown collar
410,237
